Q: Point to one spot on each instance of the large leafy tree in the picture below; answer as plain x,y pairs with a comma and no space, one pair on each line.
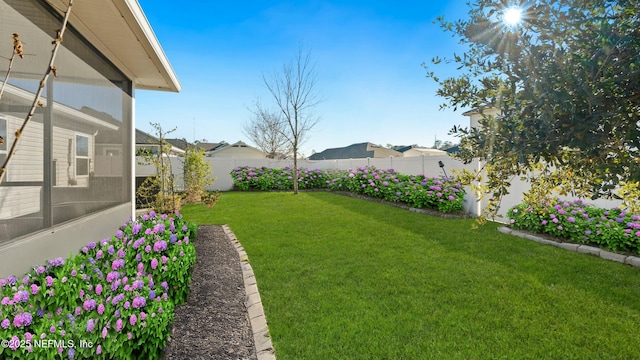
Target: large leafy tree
566,82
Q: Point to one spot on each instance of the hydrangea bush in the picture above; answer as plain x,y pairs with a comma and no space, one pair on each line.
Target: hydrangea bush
418,191
578,222
115,299
263,178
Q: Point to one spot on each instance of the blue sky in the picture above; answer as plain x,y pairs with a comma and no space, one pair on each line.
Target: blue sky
368,55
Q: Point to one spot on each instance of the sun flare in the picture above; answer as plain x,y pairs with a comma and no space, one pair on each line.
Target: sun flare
512,16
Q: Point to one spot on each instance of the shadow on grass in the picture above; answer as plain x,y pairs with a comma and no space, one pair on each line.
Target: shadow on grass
548,266
349,278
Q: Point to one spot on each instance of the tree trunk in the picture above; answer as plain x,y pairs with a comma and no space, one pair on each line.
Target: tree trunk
295,169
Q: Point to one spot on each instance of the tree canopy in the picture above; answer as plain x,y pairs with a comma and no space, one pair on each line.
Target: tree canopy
566,82
268,131
294,92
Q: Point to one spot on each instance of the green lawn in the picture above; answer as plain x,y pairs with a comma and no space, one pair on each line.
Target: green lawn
343,278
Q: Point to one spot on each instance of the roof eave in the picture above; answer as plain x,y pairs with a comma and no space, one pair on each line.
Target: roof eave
123,35
152,45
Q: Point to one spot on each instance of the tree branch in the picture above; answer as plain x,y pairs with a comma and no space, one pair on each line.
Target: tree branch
17,50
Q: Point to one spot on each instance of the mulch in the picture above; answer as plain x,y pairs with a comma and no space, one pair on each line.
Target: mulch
213,323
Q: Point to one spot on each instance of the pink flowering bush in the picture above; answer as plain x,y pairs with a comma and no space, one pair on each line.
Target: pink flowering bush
578,222
418,191
108,301
263,178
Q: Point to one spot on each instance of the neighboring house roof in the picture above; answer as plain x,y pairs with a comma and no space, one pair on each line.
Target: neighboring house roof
179,143
356,151
417,151
482,109
85,115
476,115
454,149
121,32
206,146
224,147
143,138
403,148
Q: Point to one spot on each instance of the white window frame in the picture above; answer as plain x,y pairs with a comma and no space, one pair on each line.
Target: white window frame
81,157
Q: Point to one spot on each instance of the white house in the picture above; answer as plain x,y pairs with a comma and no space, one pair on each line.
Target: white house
421,151
72,178
475,115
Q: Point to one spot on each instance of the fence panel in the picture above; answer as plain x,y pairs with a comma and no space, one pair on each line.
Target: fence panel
427,165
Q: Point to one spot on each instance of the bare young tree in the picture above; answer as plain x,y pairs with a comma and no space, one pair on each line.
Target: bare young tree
293,89
268,131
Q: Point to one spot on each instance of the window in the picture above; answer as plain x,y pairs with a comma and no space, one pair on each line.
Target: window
82,155
91,110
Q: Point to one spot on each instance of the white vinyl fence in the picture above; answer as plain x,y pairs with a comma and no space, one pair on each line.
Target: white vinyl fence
427,165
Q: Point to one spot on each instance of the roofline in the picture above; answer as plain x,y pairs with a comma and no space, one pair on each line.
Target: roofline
152,41
173,148
478,110
219,149
142,34
74,114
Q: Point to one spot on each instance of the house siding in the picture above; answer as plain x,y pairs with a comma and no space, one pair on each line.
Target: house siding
29,151
19,201
26,166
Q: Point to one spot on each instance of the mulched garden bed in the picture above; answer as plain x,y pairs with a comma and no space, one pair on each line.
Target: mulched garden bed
213,323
